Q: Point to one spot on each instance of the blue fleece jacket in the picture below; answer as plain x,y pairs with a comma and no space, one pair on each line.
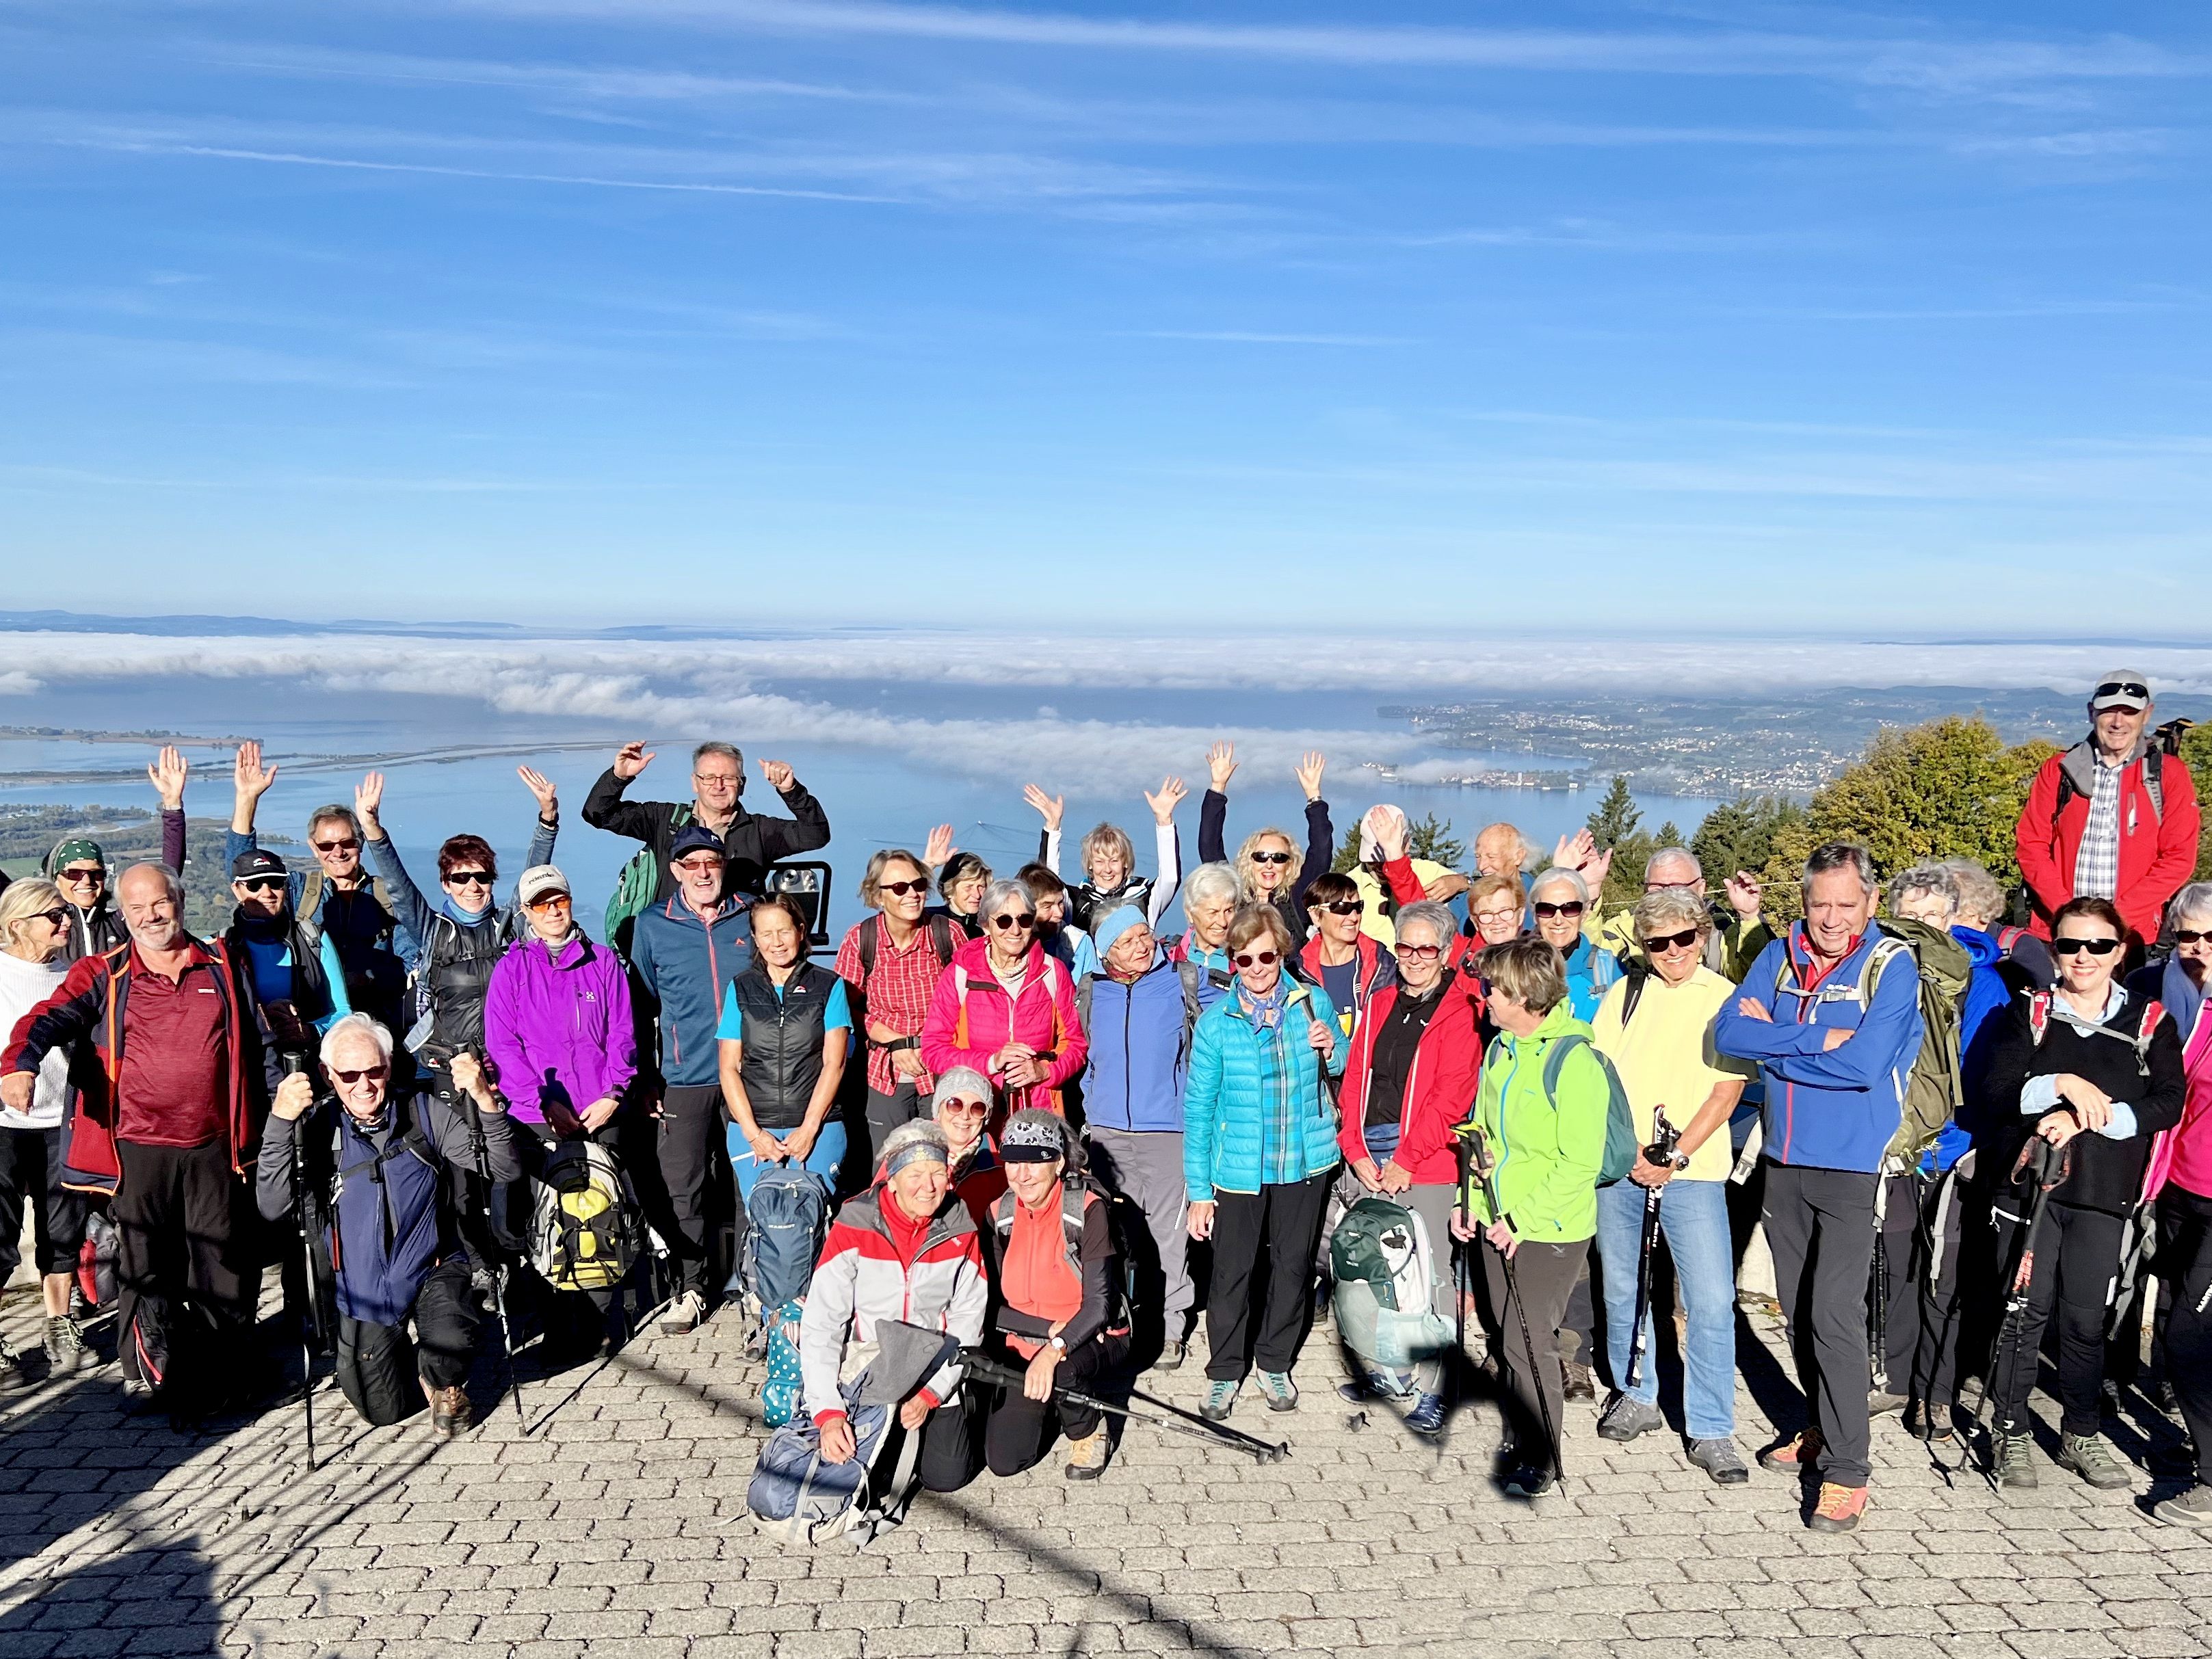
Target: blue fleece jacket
1140,1051
1987,994
1827,1109
688,964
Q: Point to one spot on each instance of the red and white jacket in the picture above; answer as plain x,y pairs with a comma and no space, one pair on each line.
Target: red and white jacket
863,1277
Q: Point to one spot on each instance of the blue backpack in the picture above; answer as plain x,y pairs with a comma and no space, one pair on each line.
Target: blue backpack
786,1217
1620,1143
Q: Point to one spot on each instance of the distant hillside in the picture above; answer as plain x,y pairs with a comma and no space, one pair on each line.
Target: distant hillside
130,835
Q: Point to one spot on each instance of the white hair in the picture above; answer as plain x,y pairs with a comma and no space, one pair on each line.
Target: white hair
2191,902
1670,855
355,1025
1554,876
1209,883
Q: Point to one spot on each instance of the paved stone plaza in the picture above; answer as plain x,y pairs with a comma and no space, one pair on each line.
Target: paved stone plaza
619,1526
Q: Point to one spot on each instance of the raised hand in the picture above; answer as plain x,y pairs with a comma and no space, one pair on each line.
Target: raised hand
779,775
631,759
1220,766
1050,808
938,848
1745,893
367,796
1388,830
168,773
1310,768
1163,804
249,777
1594,872
1574,851
293,1096
548,800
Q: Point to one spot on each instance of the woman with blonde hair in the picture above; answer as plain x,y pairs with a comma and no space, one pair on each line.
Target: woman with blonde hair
1264,862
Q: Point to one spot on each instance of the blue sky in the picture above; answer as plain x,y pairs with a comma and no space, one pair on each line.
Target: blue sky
1378,317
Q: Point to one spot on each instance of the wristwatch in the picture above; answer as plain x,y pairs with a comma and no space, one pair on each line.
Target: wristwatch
1059,1342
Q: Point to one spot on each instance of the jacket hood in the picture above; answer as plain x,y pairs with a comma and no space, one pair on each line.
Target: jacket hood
2079,763
1982,949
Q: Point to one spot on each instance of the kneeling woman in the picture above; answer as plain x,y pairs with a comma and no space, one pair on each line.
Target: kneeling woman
1059,1306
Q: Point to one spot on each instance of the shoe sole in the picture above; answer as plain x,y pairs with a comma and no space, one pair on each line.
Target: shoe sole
1725,1477
1085,1474
1637,1433
1820,1523
2199,1520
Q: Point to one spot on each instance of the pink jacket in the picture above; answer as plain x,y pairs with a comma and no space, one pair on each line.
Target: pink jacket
2192,1167
971,1019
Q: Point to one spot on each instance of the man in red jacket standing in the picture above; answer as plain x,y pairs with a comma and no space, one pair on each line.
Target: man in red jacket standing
2112,817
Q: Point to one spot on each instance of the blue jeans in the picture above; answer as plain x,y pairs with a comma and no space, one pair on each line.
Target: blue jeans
828,1152
1693,1216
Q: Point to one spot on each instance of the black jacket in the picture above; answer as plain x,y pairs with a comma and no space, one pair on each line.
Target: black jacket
751,842
2107,1175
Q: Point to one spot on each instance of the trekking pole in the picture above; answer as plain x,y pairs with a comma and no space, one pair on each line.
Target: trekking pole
988,1368
1878,1289
310,1315
2046,1167
1665,1139
498,1269
1484,1171
1462,1158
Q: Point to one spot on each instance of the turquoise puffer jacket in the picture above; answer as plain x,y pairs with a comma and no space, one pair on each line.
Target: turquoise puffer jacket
1223,1117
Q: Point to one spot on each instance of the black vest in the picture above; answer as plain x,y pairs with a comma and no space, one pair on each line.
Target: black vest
455,974
782,1037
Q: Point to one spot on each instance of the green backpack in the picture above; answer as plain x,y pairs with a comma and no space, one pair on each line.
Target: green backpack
640,879
1620,1143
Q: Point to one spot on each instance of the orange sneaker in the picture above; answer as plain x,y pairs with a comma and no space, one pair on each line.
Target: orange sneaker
1794,1455
1839,1508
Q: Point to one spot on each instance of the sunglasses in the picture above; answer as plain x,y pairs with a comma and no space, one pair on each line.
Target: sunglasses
550,902
1006,919
1420,952
972,1108
699,867
2095,947
56,917
469,878
350,844
2125,689
1681,941
2189,936
94,874
1570,908
1343,907
376,1074
1261,959
1271,858
262,883
901,888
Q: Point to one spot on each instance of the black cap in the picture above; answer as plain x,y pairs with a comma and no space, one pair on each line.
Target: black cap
259,862
696,838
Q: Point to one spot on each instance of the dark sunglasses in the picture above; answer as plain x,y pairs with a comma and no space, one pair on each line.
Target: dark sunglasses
469,878
1681,941
378,1073
1570,908
82,872
350,844
1006,919
2189,936
2095,947
901,888
1343,907
974,1108
262,883
1263,959
1271,858
1420,952
2125,689
56,917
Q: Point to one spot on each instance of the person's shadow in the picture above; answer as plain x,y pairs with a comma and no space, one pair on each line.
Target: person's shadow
154,1599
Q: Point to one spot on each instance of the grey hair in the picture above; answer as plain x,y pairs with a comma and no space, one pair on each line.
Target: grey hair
1556,874
1430,915
1980,898
333,813
1926,878
1673,855
1002,894
1209,883
2194,900
355,1025
1841,855
716,746
1670,910
26,899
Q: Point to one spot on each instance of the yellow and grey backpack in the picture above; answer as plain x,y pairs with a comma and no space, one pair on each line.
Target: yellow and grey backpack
586,1229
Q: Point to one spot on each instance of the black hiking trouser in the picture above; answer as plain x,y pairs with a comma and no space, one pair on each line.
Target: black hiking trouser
2077,1252
1544,1277
689,1137
1921,1236
31,1175
178,1211
2184,1261
1019,1427
1820,1227
1263,1253
377,1365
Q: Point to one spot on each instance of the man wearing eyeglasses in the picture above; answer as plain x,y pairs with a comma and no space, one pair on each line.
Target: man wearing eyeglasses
751,841
2113,818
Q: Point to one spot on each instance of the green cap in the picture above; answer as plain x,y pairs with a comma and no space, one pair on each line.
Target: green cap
70,851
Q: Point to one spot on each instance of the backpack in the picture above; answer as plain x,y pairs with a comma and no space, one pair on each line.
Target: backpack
872,932
793,1495
640,878
1620,1141
1934,1088
2166,740
170,1344
1381,1261
1076,1192
786,1217
786,1381
96,1258
585,1230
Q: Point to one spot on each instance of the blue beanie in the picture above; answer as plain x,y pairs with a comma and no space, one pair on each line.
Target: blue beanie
1116,922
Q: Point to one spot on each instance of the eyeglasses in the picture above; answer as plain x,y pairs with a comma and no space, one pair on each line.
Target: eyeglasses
56,917
1572,908
350,844
375,1073
262,883
92,874
1681,941
550,902
1496,918
1006,919
1259,958
469,878
2095,947
1418,952
699,867
2189,936
2134,688
969,1107
1271,858
1343,907
717,780
901,888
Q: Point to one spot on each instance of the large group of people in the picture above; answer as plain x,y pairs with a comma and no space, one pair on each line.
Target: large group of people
1040,1121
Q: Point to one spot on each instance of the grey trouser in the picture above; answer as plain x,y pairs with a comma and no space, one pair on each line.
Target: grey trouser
1146,1169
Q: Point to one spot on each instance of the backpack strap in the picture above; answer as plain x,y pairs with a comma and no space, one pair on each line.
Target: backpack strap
311,899
2039,1015
2154,1011
1187,972
940,938
871,931
1637,978
1556,1062
1082,1004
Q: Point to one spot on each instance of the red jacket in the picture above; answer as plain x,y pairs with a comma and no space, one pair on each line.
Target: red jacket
92,1011
1440,1088
2157,848
971,1019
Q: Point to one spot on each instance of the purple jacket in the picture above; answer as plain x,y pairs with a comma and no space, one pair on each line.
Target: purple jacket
559,1029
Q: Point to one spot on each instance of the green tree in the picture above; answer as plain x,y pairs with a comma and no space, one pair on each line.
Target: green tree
1741,834
2196,751
1617,816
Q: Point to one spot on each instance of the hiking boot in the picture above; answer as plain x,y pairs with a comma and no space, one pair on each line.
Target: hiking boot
1087,1458
1883,1405
1361,1389
449,1411
1220,1395
14,1370
2012,1462
1719,1458
66,1350
1626,1417
1427,1416
1576,1385
2110,1398
2163,1396
685,1314
2092,1457
2190,1509
1839,1508
1938,1423
1528,1480
1278,1390
1173,1352
1795,1455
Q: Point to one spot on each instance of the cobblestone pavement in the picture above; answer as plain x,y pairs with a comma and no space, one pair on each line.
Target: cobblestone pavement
620,1523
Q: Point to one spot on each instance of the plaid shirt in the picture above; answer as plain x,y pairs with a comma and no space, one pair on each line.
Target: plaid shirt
1282,1147
896,995
2097,863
